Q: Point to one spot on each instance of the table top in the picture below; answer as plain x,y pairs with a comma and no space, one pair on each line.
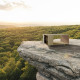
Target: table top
55,34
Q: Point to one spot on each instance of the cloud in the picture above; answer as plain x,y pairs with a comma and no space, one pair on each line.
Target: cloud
12,5
5,7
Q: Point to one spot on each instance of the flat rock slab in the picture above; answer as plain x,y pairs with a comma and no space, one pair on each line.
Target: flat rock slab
62,60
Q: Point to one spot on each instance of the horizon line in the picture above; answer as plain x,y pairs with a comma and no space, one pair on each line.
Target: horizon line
39,23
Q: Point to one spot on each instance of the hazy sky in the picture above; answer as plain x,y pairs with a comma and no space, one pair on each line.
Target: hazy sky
44,11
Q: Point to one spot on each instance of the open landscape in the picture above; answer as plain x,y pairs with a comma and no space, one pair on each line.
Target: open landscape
28,20
12,66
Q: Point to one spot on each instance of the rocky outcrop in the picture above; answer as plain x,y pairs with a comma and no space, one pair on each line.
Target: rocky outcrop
53,62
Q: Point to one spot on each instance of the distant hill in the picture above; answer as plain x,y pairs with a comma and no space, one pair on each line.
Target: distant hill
7,26
14,25
25,24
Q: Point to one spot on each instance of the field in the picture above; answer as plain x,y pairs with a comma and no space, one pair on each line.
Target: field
12,67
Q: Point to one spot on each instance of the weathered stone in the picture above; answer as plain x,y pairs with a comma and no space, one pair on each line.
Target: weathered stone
53,62
44,73
41,77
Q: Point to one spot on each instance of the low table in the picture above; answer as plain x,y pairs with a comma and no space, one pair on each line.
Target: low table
49,39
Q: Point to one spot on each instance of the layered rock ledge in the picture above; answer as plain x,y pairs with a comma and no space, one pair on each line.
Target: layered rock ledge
53,62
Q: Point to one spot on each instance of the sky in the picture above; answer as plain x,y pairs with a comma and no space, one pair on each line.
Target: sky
40,11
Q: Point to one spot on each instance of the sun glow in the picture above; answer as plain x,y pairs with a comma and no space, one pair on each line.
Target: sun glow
16,15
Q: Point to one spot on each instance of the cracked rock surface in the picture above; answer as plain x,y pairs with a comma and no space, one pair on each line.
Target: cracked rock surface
60,62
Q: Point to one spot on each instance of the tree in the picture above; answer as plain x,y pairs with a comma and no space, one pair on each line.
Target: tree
29,72
2,75
2,49
11,42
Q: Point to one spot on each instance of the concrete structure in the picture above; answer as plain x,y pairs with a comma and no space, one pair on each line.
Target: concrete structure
50,40
60,62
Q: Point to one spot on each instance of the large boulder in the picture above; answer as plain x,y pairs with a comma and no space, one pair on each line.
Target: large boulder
60,62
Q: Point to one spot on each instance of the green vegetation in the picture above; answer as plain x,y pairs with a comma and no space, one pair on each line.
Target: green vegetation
12,67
